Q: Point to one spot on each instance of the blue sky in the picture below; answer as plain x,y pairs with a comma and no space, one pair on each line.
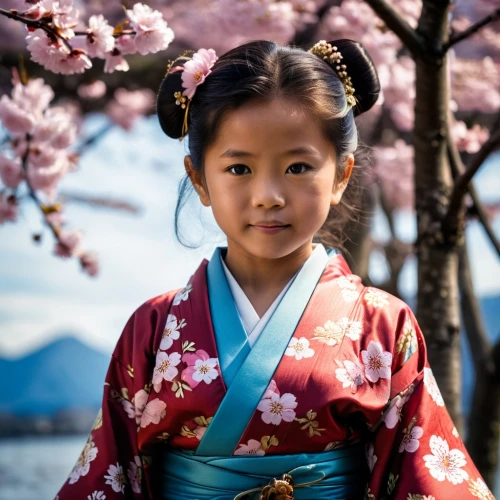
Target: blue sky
43,297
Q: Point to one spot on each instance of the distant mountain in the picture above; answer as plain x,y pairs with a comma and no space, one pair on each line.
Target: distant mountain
66,377
62,376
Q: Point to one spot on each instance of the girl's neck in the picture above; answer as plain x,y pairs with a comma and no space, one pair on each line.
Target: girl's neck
262,280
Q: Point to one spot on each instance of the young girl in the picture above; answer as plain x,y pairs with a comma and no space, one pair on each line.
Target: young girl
274,373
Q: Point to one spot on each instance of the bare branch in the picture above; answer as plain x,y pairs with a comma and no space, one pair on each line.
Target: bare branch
95,201
462,182
474,28
399,26
458,168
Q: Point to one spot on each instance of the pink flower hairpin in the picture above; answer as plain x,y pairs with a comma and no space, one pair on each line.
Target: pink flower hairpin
194,73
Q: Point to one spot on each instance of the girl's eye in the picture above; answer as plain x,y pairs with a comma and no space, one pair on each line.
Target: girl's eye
298,168
238,169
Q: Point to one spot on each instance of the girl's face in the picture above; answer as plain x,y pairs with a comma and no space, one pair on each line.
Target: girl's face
269,178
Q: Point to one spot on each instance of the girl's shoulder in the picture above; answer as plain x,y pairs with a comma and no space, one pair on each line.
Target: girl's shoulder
143,331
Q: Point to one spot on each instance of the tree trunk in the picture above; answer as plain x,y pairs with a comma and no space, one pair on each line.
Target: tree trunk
437,246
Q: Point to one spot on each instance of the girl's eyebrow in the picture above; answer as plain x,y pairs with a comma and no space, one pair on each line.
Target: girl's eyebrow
234,153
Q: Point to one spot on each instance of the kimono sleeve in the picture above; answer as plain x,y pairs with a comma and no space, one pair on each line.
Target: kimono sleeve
416,452
111,465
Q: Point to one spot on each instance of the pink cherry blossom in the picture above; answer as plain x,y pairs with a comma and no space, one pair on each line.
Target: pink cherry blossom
134,474
68,243
351,375
201,368
115,62
94,90
410,440
196,70
129,408
153,412
152,32
35,96
253,447
14,118
165,368
8,209
377,362
469,140
56,128
199,432
126,45
89,263
277,408
140,400
271,389
129,105
393,416
170,332
11,171
99,36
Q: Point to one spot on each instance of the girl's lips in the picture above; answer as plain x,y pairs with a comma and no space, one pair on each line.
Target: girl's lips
271,229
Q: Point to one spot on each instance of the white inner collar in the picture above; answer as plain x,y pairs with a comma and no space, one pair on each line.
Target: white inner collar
250,319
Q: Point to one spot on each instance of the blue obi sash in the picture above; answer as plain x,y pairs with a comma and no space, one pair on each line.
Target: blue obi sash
339,474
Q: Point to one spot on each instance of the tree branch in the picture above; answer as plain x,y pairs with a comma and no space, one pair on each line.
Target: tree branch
457,168
474,28
399,26
462,182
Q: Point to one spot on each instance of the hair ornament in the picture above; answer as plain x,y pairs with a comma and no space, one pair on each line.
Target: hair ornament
331,54
194,73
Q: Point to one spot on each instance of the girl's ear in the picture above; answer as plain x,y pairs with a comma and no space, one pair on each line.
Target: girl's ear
339,188
197,180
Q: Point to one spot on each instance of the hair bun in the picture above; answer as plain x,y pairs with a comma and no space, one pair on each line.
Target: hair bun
361,70
171,115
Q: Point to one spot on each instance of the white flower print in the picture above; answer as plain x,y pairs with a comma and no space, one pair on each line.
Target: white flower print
299,348
348,289
351,375
171,332
371,458
455,432
97,495
204,370
253,447
153,412
352,329
134,474
411,439
377,362
479,489
432,387
445,463
182,295
116,478
277,408
376,298
165,368
82,466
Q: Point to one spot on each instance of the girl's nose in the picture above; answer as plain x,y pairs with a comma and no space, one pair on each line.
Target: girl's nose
268,192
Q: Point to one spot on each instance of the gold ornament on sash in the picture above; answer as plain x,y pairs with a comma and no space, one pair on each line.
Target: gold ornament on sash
331,54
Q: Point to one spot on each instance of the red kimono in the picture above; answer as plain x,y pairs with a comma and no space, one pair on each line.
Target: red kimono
354,369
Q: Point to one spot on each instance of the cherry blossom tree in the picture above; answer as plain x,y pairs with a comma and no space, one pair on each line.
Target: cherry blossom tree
435,124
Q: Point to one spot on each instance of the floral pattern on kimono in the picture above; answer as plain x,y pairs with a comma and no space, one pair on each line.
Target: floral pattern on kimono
355,369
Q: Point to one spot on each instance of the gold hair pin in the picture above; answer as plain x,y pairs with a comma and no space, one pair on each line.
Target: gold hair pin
331,54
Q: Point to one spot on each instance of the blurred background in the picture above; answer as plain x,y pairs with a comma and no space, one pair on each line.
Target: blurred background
61,317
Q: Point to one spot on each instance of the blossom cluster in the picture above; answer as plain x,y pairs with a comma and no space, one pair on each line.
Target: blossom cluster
38,154
54,41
